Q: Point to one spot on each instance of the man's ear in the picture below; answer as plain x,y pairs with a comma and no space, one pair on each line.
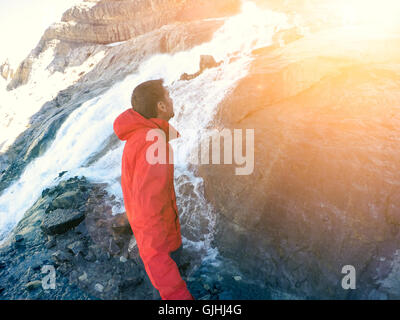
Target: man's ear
161,106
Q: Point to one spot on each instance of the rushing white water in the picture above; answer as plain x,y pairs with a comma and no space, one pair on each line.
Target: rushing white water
86,130
17,106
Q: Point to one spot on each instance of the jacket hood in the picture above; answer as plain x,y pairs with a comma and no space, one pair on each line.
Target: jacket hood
130,121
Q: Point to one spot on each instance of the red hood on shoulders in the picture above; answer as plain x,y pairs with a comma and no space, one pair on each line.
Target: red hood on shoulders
129,121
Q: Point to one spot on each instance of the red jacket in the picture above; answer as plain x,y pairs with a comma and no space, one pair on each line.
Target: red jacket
150,203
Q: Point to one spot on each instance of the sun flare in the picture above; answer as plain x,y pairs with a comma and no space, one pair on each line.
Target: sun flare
383,13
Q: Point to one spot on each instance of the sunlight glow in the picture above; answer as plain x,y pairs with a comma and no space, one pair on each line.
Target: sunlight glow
28,19
383,13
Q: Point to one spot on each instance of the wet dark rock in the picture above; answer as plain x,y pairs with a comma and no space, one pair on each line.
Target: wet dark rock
44,192
59,257
18,238
62,173
37,265
60,221
33,285
19,241
90,257
64,268
225,296
51,242
68,200
130,282
62,98
77,248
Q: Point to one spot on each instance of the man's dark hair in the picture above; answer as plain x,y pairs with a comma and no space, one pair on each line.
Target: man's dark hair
146,96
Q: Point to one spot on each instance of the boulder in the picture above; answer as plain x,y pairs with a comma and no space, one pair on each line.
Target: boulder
60,221
324,192
69,199
206,62
33,285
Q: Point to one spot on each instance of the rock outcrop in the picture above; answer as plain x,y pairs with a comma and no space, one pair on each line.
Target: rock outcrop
60,221
103,22
96,257
82,260
113,21
206,62
325,188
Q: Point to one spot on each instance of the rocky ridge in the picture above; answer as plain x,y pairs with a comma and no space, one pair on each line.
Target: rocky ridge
93,23
91,255
95,256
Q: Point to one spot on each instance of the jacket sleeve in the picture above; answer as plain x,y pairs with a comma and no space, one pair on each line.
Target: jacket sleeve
154,198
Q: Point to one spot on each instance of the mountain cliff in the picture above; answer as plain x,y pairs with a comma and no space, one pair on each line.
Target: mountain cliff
110,21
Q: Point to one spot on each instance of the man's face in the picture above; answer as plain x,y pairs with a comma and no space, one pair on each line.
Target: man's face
168,111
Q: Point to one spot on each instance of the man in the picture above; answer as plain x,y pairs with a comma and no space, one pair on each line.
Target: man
148,186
